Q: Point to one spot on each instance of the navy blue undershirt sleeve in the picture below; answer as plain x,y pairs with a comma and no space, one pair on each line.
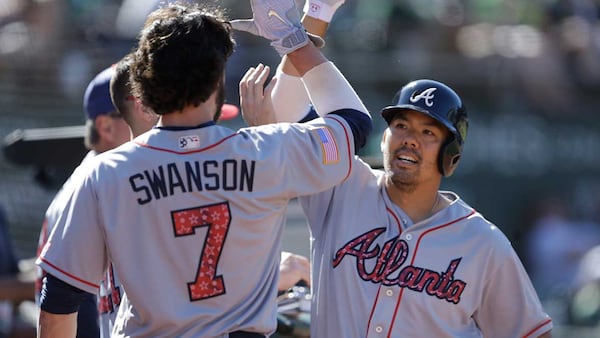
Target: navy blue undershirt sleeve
59,297
359,122
311,115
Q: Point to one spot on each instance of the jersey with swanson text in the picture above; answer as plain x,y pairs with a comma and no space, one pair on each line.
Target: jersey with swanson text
192,222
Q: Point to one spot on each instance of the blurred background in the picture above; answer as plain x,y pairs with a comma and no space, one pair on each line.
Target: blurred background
528,72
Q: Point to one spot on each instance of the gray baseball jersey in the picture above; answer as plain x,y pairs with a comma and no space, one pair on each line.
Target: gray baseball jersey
54,211
192,221
375,274
110,292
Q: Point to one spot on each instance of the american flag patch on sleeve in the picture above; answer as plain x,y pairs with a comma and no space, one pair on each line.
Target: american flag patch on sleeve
328,145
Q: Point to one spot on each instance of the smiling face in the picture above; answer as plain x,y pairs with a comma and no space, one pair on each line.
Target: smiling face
410,147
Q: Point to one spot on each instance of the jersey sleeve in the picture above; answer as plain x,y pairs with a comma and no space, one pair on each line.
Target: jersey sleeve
510,306
77,230
304,158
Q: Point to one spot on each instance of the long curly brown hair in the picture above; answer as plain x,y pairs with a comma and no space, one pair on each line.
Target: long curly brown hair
181,56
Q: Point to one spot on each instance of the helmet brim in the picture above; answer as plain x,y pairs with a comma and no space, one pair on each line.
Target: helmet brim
388,114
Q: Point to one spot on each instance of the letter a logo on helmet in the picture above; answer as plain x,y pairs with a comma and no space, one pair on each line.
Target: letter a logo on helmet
426,95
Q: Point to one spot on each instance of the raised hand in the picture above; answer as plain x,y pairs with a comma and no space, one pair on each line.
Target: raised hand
277,21
255,98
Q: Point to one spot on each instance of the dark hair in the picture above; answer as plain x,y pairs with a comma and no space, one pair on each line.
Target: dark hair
181,57
91,136
120,88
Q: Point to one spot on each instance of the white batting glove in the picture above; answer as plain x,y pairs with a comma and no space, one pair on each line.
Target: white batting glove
322,9
277,21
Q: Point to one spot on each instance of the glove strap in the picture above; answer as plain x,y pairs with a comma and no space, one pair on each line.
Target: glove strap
295,40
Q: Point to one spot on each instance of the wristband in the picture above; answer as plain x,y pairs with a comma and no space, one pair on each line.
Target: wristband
320,10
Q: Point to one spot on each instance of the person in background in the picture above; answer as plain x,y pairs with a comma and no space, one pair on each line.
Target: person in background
105,129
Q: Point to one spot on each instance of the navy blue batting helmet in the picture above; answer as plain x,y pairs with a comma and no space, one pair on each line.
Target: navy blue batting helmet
441,103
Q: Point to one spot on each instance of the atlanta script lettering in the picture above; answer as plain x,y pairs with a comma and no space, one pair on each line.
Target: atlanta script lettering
388,267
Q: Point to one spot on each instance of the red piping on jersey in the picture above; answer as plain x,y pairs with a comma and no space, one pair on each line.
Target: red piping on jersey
396,218
185,152
412,261
350,155
537,328
373,309
70,275
379,289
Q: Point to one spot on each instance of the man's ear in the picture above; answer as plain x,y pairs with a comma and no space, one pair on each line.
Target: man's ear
143,113
103,125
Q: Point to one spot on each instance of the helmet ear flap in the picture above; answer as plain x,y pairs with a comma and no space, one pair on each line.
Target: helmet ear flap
449,156
451,151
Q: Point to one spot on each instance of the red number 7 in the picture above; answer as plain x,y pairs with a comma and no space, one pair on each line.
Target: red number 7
217,218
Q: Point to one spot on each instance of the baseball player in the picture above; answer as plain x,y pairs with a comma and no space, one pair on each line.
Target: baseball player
293,268
105,129
191,213
391,254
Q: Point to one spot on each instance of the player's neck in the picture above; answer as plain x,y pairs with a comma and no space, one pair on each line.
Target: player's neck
190,116
418,204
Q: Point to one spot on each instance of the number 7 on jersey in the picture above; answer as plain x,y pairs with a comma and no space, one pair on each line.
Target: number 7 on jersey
217,218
